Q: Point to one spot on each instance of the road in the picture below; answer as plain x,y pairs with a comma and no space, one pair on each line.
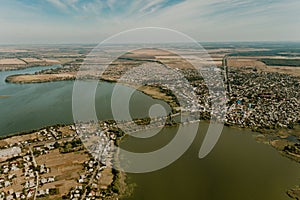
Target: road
36,173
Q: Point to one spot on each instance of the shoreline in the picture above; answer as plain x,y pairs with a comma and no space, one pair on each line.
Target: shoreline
119,181
260,131
152,91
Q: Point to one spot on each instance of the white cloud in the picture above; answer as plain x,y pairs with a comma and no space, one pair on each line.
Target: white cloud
58,4
206,20
151,4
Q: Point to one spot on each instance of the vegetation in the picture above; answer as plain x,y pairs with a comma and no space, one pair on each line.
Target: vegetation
115,186
144,121
281,62
71,146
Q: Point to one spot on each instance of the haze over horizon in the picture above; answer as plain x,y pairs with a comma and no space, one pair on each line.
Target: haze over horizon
91,21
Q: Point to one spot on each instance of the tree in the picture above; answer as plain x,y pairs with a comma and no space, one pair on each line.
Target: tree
56,145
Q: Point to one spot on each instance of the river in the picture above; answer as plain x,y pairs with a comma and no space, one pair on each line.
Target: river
237,168
32,106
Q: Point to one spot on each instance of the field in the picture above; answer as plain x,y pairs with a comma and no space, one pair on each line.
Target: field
269,64
65,167
12,61
281,62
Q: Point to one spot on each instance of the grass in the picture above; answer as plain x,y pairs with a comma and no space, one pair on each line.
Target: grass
281,62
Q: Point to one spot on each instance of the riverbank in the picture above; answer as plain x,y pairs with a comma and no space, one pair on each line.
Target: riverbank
255,111
261,100
272,106
39,78
117,183
154,92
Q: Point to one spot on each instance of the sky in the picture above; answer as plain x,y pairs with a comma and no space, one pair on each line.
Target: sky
91,21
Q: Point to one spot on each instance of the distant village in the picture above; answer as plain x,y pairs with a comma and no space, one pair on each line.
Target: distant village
256,100
263,100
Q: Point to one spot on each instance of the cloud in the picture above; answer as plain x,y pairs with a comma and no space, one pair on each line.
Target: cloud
59,4
205,20
151,6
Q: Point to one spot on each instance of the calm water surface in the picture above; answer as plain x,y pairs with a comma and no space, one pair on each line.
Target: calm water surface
32,106
238,168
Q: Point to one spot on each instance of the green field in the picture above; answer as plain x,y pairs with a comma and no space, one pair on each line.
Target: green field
281,62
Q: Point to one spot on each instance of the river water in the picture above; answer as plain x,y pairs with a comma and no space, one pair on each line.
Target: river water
237,168
32,106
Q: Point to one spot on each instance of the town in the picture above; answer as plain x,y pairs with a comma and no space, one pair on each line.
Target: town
53,162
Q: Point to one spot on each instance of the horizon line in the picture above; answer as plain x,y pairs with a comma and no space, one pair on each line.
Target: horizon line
203,42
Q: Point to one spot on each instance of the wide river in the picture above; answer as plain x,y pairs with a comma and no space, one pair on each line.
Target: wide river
238,168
